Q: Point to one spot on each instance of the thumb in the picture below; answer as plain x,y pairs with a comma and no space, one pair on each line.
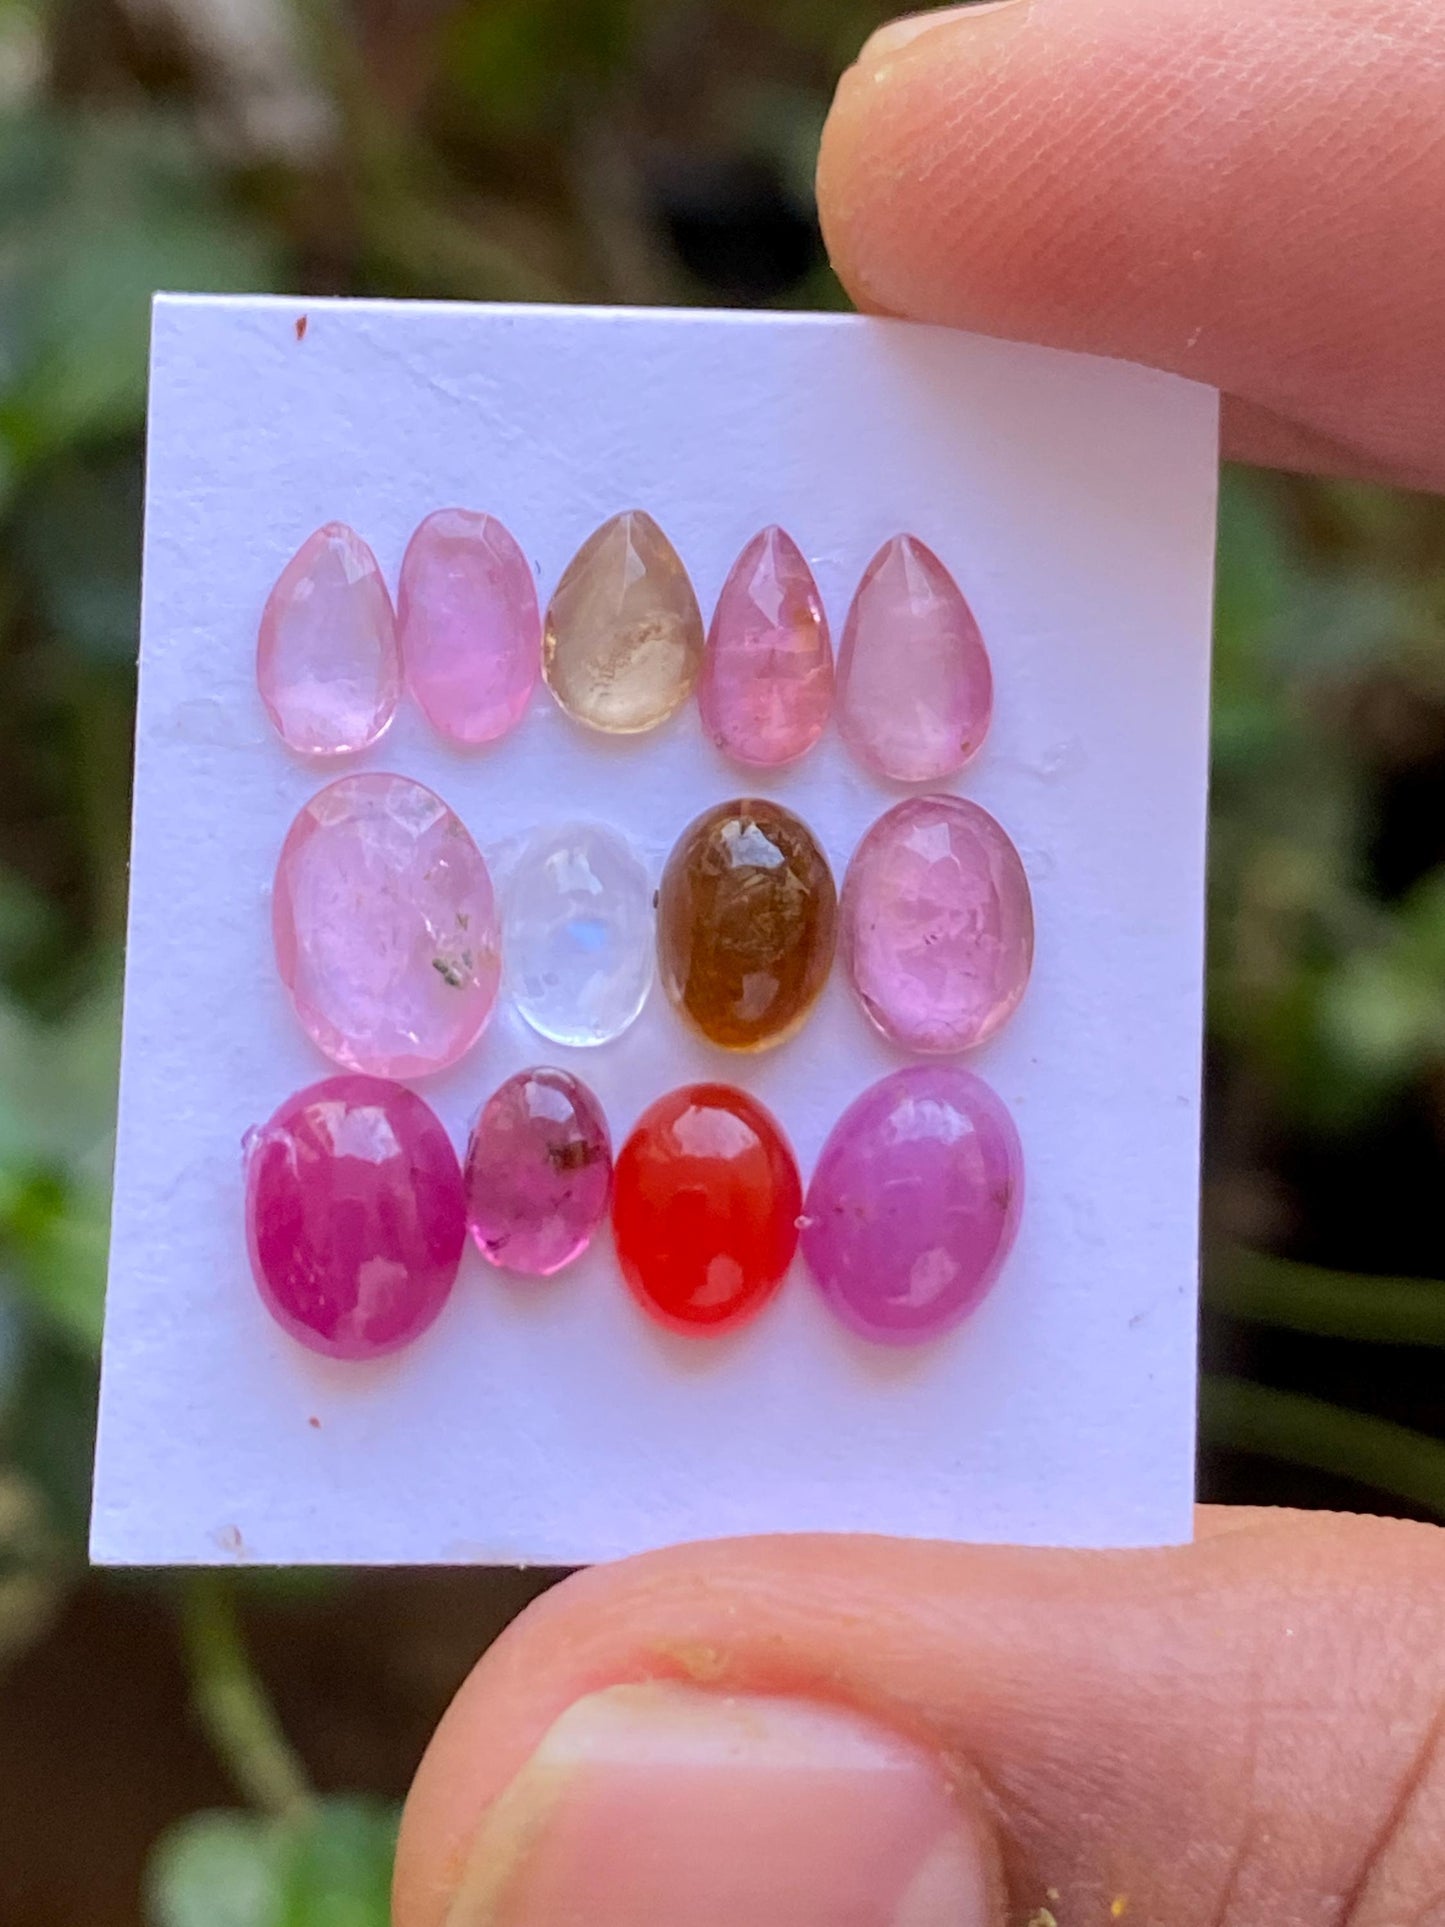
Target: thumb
1248,194
819,1732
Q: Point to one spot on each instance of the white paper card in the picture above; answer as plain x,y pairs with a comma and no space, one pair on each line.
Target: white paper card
553,1422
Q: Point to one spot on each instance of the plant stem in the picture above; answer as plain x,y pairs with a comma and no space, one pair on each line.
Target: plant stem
1328,1438
1334,1304
233,1705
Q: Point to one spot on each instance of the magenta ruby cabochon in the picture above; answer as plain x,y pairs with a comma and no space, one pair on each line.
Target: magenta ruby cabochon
355,1216
914,1204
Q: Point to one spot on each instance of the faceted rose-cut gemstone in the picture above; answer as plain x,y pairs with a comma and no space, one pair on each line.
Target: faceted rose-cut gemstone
385,927
746,924
539,1172
767,677
471,633
355,1216
915,1203
327,662
936,925
579,933
623,639
915,691
705,1208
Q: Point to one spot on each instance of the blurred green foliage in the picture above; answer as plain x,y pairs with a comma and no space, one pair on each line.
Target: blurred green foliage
619,150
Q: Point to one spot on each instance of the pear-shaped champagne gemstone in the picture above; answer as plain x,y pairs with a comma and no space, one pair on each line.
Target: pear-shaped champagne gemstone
623,640
767,681
470,629
327,662
915,691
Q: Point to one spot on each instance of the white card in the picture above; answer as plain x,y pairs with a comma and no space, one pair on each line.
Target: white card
552,1421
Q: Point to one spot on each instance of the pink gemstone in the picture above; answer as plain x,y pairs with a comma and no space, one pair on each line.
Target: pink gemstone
471,632
915,691
936,924
767,677
355,1216
915,1204
327,663
539,1173
385,926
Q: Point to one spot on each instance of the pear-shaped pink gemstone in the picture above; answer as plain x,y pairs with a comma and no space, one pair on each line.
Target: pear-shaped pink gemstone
767,677
915,691
327,663
471,632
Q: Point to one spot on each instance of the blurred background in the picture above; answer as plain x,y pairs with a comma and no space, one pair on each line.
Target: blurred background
228,1749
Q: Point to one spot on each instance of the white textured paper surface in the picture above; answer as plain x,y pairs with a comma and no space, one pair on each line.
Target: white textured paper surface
552,1422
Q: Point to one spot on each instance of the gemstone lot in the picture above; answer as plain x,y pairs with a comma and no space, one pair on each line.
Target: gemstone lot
387,935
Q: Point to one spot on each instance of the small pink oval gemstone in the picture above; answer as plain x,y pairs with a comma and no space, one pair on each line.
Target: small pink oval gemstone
471,631
327,663
767,677
936,924
355,1216
915,1204
539,1173
385,924
915,690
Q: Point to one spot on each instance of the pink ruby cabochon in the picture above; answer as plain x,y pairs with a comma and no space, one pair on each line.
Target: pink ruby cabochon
936,924
355,1216
469,625
915,686
385,927
328,667
766,688
914,1204
538,1172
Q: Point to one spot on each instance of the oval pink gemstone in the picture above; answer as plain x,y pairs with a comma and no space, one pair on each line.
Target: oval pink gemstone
767,677
539,1172
355,1216
936,924
327,663
915,691
915,1204
471,632
385,925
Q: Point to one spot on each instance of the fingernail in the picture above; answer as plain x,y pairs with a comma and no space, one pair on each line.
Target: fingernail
666,1806
892,37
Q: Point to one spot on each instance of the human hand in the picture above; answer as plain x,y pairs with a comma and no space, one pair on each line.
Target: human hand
817,1732
1253,195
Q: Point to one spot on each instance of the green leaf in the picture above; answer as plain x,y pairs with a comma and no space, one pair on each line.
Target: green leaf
338,1870
332,1869
130,208
60,1237
78,534
216,1870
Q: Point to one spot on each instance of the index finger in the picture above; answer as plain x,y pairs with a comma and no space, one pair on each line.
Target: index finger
1251,196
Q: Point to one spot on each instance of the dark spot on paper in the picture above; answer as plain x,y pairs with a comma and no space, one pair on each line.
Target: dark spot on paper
314,1423
302,322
